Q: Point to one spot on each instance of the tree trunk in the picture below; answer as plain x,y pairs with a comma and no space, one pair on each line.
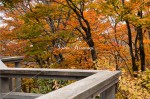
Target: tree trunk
90,43
141,47
141,44
136,47
134,66
92,48
149,34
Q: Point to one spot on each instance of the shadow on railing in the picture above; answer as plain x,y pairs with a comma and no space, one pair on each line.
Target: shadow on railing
91,83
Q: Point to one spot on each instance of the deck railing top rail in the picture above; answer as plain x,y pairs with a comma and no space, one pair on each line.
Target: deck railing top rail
65,74
12,59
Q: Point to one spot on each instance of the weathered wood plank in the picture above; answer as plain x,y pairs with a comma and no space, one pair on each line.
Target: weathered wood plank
84,88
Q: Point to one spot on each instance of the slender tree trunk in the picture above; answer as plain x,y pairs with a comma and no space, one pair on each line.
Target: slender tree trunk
136,47
149,34
141,44
141,47
148,39
134,66
90,43
116,62
92,48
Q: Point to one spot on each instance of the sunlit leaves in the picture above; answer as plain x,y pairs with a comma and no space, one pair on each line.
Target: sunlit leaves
134,87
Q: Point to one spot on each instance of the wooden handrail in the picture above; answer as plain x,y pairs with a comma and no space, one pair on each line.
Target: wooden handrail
47,73
12,59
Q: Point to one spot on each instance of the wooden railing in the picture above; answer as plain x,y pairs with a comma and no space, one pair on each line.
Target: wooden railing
90,83
17,81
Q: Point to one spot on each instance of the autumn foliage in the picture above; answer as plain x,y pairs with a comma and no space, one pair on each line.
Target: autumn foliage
83,34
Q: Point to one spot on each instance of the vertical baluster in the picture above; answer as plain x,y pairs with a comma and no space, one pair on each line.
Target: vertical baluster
109,93
18,80
4,85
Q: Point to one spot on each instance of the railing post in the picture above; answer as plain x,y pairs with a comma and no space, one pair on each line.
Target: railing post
109,93
17,80
4,82
17,64
16,86
4,85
